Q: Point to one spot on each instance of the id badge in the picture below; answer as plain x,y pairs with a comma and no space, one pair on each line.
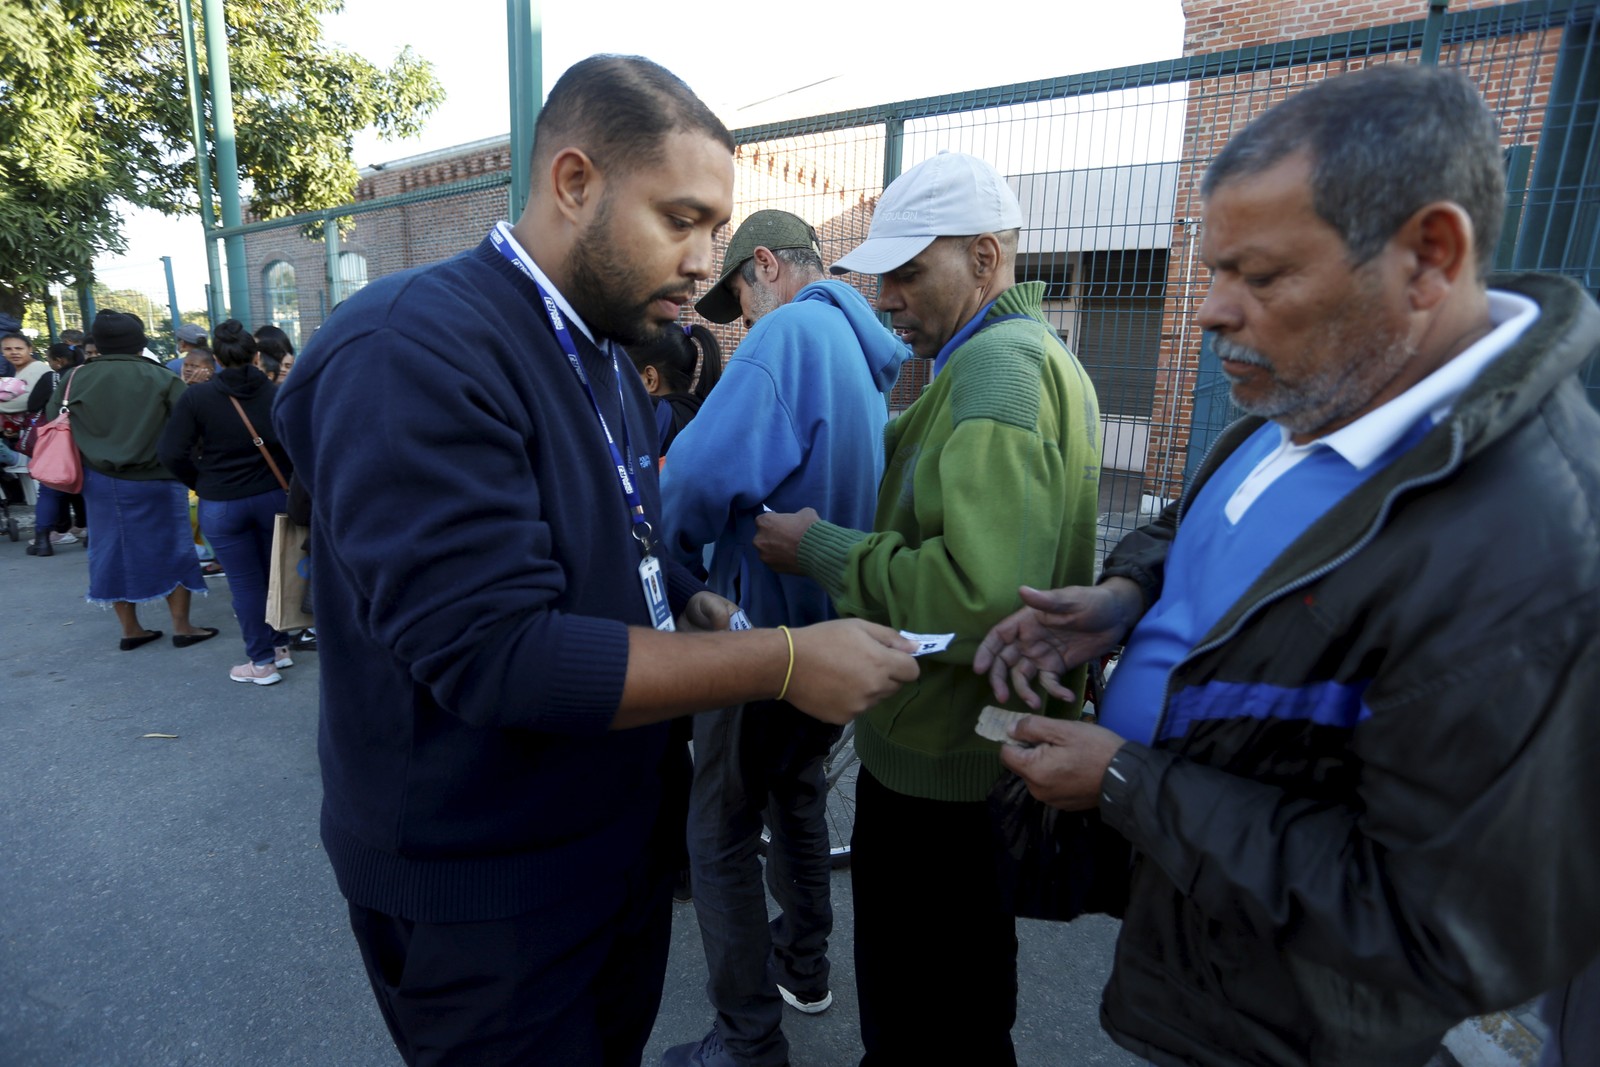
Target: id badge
655,593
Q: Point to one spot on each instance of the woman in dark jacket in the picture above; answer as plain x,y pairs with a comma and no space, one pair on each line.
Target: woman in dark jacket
210,445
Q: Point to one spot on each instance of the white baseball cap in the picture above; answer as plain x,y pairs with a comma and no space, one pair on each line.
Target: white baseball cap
950,195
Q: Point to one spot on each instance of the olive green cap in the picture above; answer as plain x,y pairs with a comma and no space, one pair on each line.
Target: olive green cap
765,229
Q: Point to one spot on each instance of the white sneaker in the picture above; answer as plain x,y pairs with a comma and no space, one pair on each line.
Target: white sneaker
249,672
281,657
63,539
810,1007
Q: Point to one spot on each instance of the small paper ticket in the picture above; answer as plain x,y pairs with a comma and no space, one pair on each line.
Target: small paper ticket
994,722
739,621
927,644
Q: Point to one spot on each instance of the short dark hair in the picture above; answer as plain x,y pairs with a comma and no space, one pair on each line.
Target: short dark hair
61,352
805,259
1383,142
618,110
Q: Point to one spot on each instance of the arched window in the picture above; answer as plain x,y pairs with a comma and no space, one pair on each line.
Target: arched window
352,273
283,301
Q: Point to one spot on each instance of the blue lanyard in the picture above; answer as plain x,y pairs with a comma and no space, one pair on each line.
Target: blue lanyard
502,240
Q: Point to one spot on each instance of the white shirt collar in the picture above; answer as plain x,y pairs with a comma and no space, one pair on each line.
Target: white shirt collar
545,283
1373,434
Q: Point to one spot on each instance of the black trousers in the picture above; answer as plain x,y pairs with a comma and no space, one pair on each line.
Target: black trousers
572,986
936,943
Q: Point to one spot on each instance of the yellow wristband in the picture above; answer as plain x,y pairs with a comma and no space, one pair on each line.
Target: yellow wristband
788,674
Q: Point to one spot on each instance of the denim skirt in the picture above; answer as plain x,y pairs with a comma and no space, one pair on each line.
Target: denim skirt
142,547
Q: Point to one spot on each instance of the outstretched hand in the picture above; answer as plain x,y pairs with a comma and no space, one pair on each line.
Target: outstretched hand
1057,630
844,667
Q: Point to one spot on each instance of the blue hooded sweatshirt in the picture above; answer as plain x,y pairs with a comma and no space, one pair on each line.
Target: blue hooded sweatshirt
796,421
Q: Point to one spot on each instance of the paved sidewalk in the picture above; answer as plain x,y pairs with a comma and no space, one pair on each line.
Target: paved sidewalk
166,900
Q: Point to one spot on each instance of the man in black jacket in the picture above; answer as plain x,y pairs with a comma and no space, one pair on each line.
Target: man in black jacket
1352,735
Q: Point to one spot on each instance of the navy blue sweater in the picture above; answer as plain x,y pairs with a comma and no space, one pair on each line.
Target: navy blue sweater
474,578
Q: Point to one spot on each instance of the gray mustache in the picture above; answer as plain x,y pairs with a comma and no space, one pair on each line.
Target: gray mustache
1235,352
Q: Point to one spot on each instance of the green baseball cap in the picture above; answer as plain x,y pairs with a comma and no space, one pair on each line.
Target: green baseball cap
765,229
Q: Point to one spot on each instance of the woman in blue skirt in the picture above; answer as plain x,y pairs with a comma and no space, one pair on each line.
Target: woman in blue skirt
142,548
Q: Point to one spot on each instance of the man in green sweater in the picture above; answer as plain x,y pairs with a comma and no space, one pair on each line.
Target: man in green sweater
990,483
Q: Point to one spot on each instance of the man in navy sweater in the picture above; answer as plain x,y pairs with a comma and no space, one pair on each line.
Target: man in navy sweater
493,729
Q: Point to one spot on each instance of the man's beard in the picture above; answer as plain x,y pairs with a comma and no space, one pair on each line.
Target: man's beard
764,300
601,281
1375,354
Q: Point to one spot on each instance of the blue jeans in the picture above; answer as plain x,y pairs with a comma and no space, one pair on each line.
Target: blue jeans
54,510
763,758
240,531
46,510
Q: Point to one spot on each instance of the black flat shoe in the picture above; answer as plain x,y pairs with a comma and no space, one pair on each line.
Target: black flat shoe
131,643
185,640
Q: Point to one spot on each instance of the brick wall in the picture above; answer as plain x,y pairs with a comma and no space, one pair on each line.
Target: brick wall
1514,73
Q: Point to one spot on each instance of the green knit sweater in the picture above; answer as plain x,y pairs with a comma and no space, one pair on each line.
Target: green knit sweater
991,482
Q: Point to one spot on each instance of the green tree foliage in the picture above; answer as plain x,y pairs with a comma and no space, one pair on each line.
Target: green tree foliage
94,109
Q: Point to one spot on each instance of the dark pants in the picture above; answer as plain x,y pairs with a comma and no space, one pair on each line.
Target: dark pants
576,985
764,759
936,943
1573,1014
240,532
58,511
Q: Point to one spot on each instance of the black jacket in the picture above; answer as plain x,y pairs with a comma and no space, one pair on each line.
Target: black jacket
206,446
41,393
1342,892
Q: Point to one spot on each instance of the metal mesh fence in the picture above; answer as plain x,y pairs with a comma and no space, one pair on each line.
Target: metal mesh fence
1107,167
137,287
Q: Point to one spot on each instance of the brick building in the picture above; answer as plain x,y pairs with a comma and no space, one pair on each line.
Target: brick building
1112,230
1514,71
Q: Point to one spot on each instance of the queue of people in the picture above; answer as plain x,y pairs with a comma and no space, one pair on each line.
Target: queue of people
148,435
1345,758
1333,731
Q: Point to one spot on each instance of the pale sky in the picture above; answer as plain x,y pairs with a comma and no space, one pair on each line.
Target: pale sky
751,63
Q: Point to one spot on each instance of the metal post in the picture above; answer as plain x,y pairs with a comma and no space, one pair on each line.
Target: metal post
524,48
330,241
894,144
202,161
172,295
1432,30
227,156
50,318
86,303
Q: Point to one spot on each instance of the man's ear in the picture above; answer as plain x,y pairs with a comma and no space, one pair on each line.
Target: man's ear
651,378
984,255
1441,250
767,265
575,183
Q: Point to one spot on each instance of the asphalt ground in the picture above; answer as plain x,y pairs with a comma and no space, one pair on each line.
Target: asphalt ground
165,900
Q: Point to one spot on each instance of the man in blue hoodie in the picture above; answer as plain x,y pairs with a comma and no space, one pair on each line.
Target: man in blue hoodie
796,421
